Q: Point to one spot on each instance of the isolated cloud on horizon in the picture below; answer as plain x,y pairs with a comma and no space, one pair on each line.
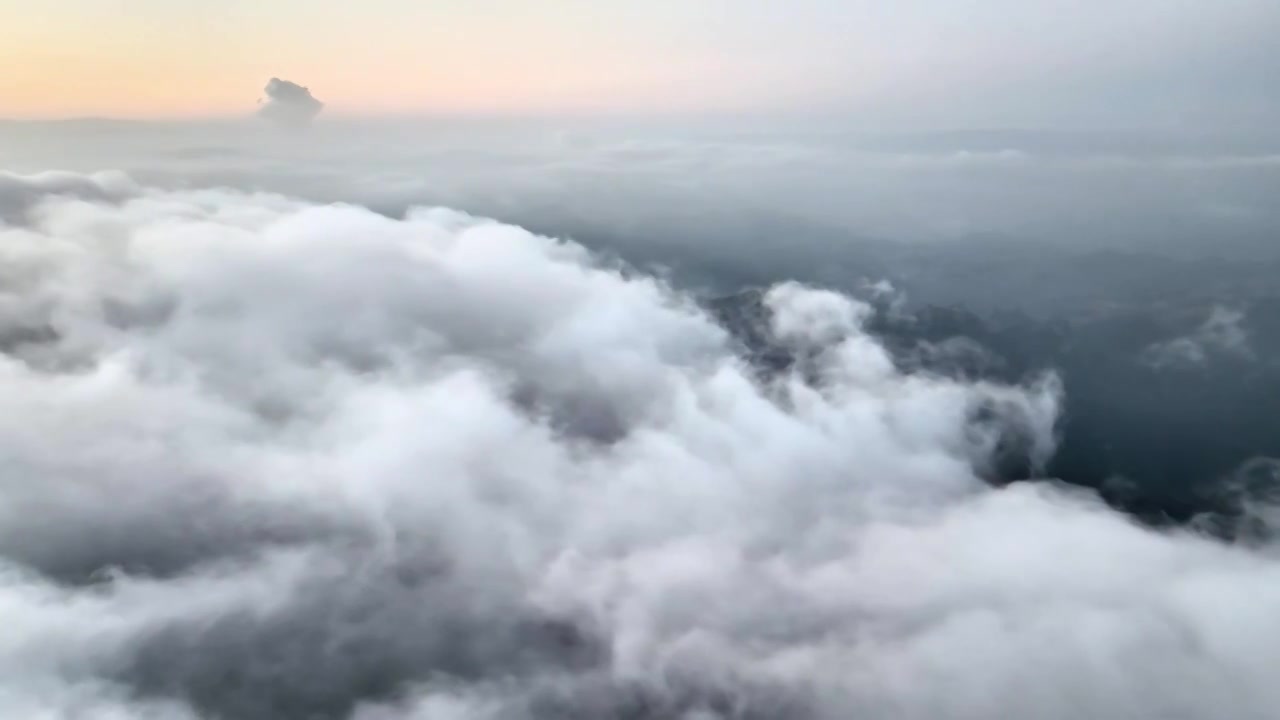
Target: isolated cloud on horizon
289,103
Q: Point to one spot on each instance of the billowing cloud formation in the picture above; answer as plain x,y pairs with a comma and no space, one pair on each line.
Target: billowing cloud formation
289,103
271,459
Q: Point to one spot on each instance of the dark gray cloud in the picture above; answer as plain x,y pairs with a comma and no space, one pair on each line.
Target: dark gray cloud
20,194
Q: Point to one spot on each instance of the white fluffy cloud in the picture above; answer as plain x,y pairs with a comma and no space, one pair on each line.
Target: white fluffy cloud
265,459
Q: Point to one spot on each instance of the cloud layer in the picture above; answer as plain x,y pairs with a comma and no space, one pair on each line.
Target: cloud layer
274,459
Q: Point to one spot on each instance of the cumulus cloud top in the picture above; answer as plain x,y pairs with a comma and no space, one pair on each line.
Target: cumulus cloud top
272,459
289,103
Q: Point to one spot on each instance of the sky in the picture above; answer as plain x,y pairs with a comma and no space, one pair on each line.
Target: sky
1129,63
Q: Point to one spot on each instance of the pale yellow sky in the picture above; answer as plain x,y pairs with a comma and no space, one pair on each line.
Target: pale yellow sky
193,58
1004,62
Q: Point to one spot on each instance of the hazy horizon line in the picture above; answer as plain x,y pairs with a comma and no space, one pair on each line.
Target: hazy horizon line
840,123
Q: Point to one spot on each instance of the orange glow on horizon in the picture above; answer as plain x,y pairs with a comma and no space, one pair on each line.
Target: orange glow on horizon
177,59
